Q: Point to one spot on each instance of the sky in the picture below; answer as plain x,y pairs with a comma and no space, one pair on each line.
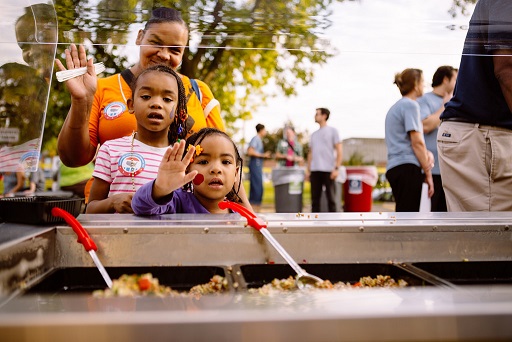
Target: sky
375,39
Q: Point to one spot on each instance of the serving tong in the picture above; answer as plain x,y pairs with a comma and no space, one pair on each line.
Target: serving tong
85,240
303,278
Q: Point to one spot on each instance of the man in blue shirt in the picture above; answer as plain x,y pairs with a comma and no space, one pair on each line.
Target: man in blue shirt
431,107
257,154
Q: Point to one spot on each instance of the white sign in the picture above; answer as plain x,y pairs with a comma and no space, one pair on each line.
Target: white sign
9,135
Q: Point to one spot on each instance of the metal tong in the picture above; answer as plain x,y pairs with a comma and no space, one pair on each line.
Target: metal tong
84,239
303,278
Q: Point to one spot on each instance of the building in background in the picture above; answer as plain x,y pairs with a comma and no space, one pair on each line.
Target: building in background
368,151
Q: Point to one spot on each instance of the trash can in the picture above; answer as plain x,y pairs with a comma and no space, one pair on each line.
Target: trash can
357,190
342,177
288,188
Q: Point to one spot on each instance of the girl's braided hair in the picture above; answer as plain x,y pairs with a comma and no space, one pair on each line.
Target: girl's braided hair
177,129
196,139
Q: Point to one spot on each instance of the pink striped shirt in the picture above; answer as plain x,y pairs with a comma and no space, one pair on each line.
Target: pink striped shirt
118,165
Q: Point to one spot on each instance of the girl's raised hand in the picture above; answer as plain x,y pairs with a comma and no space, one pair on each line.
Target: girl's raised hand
172,170
80,87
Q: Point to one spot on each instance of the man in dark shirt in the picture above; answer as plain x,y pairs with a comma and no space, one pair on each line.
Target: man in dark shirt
475,136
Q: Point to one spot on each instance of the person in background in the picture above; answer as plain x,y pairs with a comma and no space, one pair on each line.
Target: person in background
37,34
75,179
475,136
37,182
407,153
257,154
13,182
431,107
324,161
123,165
289,149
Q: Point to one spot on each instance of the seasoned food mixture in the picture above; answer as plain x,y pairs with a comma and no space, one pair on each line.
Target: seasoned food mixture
289,284
146,285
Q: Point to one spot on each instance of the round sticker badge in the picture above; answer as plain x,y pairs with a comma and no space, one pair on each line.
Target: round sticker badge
131,164
114,110
29,160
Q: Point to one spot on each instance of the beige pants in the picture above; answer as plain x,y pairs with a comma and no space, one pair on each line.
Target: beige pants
476,166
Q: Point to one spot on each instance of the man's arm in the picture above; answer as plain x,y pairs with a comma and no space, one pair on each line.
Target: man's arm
503,71
432,122
339,154
251,152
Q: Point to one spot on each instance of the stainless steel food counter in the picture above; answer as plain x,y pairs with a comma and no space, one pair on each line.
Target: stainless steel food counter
446,311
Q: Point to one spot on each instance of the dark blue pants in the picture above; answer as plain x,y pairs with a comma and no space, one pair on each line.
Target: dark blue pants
256,188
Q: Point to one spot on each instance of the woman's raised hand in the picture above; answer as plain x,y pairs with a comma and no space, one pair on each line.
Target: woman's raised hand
80,87
172,170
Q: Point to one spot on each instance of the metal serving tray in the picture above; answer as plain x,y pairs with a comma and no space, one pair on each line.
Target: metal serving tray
254,276
87,279
470,272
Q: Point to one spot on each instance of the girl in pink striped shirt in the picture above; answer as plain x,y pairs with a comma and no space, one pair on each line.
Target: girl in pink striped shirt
123,165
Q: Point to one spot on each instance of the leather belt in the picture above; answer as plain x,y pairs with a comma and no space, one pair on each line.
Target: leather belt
458,120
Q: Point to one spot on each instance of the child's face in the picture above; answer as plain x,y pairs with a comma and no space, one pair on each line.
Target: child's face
217,163
154,101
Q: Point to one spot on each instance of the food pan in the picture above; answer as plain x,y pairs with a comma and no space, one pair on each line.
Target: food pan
87,279
257,275
37,209
470,272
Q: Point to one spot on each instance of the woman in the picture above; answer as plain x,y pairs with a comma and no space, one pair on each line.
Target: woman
407,153
98,107
99,112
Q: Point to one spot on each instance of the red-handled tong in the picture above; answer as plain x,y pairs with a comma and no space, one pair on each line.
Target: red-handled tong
83,236
303,278
84,239
252,220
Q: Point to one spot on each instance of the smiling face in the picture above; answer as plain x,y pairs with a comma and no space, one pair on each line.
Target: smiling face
154,101
217,163
162,43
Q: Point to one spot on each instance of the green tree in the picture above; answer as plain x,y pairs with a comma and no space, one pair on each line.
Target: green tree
462,6
246,50
238,47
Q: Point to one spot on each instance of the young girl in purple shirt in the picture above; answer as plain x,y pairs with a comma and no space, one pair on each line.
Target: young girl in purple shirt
193,179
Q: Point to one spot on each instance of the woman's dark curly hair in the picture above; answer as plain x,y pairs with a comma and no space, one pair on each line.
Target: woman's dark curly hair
196,139
177,129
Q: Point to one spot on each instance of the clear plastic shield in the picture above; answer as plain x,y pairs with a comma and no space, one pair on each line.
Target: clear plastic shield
28,41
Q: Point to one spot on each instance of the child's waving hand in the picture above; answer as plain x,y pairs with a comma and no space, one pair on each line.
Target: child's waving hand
172,171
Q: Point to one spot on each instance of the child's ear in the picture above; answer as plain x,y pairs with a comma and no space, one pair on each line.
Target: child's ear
129,102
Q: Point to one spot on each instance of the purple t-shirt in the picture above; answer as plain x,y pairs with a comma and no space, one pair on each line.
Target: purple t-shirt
178,202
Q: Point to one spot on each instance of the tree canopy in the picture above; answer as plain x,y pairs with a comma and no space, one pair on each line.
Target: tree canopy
245,50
